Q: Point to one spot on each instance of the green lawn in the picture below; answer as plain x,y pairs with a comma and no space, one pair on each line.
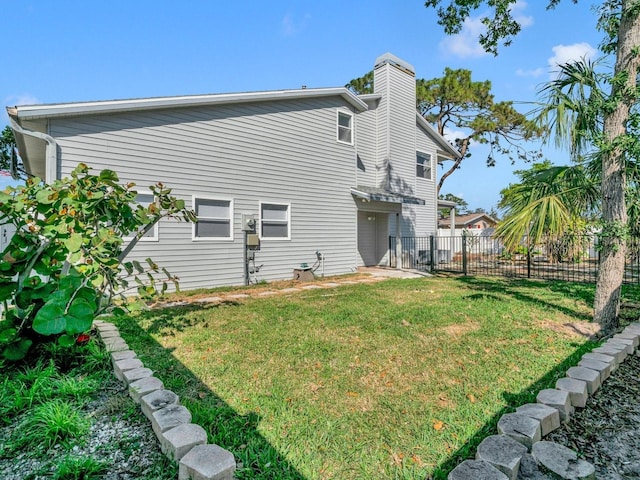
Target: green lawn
396,379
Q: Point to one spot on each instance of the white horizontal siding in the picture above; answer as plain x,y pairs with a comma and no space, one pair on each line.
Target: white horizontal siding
426,216
366,147
280,152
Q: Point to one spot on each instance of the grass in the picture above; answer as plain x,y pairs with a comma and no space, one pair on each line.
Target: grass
400,379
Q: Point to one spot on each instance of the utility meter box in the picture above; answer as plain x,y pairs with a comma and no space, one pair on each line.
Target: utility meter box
249,223
253,241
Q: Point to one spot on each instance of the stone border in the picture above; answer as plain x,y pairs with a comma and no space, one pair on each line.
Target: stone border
519,449
180,440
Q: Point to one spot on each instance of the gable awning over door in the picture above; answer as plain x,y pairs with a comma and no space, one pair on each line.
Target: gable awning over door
374,194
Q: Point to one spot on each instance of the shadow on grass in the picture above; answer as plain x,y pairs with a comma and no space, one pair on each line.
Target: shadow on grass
497,288
175,319
494,287
257,458
512,400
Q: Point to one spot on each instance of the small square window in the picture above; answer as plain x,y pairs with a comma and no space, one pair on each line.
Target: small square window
345,127
423,165
274,221
214,219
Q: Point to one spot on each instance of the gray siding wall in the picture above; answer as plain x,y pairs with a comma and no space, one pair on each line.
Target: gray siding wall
426,214
280,152
366,146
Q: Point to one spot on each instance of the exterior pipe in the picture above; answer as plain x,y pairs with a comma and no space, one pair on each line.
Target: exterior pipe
51,155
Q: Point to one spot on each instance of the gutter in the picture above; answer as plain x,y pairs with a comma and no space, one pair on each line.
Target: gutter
51,150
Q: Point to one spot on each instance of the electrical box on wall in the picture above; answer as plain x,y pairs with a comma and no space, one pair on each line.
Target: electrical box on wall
248,222
253,241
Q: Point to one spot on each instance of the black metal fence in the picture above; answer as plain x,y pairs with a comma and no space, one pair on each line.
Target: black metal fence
570,257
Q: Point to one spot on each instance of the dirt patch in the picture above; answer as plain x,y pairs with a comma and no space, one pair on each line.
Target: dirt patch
459,329
256,290
587,330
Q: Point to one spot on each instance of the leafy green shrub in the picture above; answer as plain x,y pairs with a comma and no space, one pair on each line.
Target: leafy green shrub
65,263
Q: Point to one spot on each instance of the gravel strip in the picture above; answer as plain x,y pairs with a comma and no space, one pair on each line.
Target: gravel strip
118,437
606,432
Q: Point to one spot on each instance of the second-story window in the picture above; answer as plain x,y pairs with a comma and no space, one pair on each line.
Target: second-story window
345,127
423,165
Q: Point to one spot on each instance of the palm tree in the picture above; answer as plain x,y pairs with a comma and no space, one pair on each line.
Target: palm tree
578,115
548,201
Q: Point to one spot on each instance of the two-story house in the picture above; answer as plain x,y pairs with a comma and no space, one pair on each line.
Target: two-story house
320,170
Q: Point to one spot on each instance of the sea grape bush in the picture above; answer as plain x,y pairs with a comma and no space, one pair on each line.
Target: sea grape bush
66,262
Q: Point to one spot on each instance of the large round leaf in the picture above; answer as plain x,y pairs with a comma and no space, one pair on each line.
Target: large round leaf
80,316
50,319
18,350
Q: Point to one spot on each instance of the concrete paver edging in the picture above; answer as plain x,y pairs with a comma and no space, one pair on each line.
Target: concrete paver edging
170,421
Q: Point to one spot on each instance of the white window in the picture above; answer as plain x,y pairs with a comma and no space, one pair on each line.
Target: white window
345,127
214,219
275,221
423,165
145,199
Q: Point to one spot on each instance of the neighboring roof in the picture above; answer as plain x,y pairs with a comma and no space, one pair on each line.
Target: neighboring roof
32,112
446,203
375,194
467,219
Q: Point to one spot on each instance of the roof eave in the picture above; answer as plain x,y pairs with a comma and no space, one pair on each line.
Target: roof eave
32,112
447,151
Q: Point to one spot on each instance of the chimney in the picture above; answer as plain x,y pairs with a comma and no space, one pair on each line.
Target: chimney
395,80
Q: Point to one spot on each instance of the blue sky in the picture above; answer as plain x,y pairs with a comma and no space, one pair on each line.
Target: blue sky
66,51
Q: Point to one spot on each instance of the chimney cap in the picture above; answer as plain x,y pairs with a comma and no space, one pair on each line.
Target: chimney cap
393,60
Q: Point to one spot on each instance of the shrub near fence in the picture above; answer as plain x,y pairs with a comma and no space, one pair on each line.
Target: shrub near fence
570,257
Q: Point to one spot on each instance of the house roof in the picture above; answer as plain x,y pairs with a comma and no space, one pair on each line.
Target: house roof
34,112
467,219
376,194
447,151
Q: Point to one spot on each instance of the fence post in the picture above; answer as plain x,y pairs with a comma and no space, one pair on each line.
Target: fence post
392,247
464,254
432,254
528,258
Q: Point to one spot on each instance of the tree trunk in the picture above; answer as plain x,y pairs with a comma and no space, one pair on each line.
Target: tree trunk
464,146
606,306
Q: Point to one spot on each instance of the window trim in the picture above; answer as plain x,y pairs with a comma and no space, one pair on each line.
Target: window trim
195,238
430,157
156,231
260,220
351,123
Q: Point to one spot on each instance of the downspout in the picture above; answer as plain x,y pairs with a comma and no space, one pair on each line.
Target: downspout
51,151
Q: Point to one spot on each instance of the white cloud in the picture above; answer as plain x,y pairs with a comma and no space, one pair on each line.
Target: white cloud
563,54
465,44
292,26
537,72
20,99
516,11
452,135
14,100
